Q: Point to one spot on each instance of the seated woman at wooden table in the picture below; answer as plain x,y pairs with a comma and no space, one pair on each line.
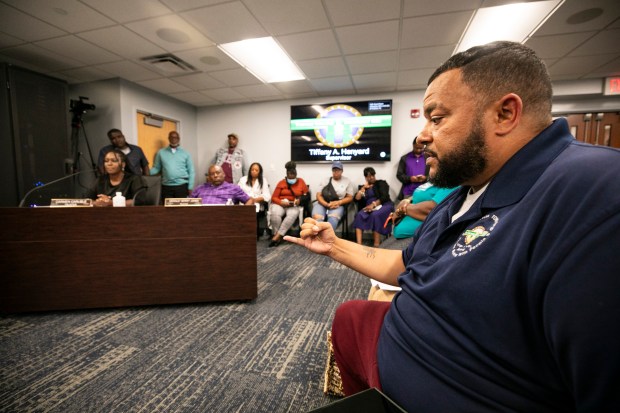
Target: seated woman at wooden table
116,179
375,207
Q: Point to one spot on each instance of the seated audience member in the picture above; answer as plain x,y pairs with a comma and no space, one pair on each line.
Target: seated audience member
217,191
116,179
256,186
412,211
286,197
176,167
509,297
137,164
411,170
374,206
331,201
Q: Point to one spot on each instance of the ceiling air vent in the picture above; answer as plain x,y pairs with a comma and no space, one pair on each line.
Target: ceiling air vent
169,63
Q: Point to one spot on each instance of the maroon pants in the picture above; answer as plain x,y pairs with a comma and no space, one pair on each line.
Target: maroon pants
355,333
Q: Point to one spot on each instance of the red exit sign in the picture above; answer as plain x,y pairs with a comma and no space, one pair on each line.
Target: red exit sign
612,86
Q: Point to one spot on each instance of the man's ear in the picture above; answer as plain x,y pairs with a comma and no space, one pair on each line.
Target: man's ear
508,112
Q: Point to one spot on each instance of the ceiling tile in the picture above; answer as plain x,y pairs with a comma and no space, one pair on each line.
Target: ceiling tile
370,37
346,12
8,41
81,50
124,11
414,79
310,45
224,94
164,85
129,70
216,22
289,16
424,57
578,65
327,67
333,85
198,81
557,45
295,87
69,15
413,8
558,23
51,61
376,81
208,59
194,98
24,27
181,5
236,77
87,74
258,91
372,62
607,41
416,30
122,41
612,68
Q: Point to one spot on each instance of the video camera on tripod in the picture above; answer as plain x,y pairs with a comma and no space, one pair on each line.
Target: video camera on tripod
79,106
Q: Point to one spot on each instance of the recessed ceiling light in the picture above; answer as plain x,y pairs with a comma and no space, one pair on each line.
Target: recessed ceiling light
264,58
491,23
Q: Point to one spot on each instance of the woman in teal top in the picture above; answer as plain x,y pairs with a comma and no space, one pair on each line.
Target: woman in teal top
414,210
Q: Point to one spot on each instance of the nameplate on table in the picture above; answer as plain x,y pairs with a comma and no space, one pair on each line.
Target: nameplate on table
70,202
181,202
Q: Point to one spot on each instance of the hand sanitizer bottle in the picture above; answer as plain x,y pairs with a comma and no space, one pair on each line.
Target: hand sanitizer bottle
118,200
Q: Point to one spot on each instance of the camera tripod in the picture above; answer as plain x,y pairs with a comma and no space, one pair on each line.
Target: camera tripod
77,125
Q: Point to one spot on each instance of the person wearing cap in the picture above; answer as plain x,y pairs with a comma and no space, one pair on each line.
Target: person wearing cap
232,159
331,202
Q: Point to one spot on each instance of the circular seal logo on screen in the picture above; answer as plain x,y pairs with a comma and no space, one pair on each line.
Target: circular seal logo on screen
338,130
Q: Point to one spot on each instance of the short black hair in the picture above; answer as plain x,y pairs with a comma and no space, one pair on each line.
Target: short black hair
111,131
290,166
369,170
495,69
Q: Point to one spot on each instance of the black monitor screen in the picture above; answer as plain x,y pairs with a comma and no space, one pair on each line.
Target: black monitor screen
345,131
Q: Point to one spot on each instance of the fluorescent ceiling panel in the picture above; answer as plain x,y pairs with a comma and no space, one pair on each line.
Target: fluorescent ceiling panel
264,58
516,22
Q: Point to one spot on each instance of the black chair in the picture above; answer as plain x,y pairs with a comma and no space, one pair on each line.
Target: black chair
151,194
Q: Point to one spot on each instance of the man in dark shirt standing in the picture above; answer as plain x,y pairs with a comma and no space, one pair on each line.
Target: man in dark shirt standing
137,163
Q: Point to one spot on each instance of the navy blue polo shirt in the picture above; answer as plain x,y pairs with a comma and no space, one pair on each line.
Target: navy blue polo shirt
516,305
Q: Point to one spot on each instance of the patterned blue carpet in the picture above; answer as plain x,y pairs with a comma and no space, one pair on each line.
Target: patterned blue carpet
266,355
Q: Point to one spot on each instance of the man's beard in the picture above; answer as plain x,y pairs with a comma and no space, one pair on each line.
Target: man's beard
464,163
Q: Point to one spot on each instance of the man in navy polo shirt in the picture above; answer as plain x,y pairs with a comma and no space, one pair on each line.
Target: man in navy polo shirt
510,294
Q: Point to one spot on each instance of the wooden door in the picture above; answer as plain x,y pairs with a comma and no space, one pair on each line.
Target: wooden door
596,128
152,138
